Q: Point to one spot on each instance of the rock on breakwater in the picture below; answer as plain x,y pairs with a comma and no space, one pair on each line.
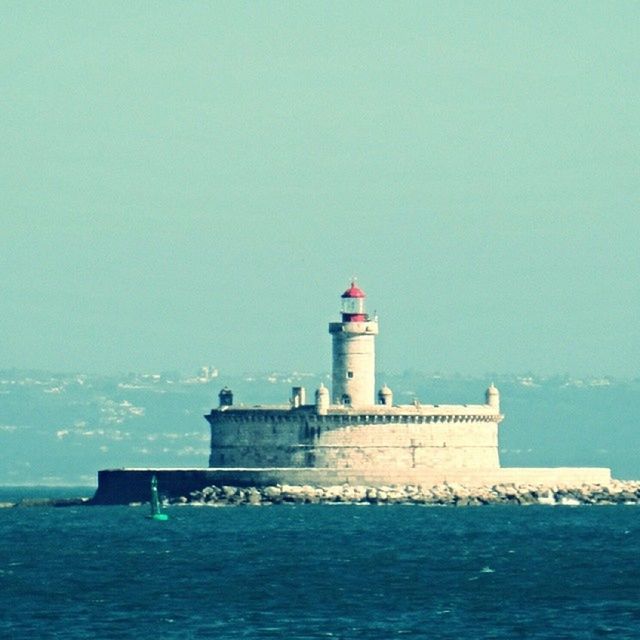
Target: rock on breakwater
617,492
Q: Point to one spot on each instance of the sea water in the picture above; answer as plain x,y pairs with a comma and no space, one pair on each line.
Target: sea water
320,571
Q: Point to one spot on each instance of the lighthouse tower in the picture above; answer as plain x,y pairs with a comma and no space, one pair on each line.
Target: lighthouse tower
354,367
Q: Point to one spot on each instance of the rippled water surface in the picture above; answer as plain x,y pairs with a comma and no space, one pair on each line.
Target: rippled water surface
317,571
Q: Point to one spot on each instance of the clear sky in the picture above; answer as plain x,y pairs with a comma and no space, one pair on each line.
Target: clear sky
189,183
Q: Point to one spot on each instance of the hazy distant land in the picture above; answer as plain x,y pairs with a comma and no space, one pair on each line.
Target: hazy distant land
62,428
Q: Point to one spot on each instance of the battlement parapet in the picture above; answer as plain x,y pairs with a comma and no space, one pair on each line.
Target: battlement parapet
424,414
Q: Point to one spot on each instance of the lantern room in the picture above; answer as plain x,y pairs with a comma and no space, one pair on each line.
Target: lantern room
353,304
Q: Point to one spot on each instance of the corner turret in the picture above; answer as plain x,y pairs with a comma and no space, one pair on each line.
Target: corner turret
493,397
385,396
322,400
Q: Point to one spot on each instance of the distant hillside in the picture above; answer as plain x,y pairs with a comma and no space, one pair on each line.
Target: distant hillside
60,429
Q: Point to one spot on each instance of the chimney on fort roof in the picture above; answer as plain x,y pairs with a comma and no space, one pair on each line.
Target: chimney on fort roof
226,397
298,396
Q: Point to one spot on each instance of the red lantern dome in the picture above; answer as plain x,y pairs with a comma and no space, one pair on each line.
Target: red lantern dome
354,292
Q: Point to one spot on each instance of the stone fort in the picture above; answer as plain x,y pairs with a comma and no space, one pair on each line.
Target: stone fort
352,426
349,434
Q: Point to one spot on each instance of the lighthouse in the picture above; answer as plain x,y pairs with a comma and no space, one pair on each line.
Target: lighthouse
354,366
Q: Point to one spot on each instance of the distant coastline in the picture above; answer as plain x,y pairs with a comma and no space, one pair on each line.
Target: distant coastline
57,429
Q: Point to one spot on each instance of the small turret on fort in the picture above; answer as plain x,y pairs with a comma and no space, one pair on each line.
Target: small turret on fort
354,367
322,400
354,426
385,396
493,397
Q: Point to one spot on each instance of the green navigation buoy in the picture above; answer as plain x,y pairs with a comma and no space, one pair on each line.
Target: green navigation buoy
156,511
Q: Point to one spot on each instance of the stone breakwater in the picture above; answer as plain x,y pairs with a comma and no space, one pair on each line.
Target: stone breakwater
447,494
617,492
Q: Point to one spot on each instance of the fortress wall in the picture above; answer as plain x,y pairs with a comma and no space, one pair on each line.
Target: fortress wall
409,445
121,486
257,456
473,434
372,457
258,429
288,439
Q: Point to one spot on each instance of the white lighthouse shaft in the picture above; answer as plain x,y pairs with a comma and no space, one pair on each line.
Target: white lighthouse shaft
354,367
